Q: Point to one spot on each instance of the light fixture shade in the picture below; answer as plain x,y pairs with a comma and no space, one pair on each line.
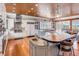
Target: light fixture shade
58,11
32,8
36,5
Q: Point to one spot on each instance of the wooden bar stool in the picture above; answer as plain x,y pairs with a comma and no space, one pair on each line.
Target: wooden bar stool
66,46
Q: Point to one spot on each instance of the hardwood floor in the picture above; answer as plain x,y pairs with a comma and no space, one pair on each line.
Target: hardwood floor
21,47
17,47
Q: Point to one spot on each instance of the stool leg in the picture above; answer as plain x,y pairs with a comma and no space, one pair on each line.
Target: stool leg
63,53
73,51
70,53
58,52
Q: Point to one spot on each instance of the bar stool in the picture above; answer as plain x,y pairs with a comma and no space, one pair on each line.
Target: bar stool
66,46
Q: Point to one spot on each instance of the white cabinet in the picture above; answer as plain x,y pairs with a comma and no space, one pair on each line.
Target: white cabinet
38,47
30,28
2,23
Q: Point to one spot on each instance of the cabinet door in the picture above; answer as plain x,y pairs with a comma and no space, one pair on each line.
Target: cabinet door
30,29
10,23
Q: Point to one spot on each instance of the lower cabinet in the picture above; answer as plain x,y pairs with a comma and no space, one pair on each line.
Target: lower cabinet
38,51
46,50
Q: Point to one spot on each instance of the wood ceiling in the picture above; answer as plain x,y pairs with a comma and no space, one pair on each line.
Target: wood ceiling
44,9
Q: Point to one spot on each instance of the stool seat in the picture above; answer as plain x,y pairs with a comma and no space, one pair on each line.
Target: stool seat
66,50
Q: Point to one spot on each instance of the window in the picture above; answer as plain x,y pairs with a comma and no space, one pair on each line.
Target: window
75,25
45,25
63,25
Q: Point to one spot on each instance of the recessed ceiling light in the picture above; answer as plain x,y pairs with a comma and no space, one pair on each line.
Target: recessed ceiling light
13,10
32,8
29,11
36,5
